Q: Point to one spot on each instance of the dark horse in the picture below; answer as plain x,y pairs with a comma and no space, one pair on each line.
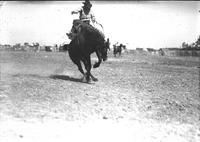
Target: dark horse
118,49
87,41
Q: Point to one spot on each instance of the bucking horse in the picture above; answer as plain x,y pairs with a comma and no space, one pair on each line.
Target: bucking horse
87,41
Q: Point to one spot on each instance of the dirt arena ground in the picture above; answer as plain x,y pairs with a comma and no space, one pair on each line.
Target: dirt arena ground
138,98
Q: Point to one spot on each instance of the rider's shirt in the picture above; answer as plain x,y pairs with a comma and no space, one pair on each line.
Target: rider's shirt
86,17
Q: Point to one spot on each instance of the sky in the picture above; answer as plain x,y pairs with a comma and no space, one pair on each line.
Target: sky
150,24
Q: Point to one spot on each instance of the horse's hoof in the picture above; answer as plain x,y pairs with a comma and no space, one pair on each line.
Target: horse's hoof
88,79
84,79
95,79
95,65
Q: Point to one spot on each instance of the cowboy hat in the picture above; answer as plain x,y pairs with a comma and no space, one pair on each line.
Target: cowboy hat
87,3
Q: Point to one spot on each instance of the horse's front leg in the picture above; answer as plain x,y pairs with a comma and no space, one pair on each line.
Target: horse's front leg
97,64
85,75
88,66
78,63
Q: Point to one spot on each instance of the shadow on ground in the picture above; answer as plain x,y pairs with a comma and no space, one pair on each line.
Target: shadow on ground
68,78
55,76
29,75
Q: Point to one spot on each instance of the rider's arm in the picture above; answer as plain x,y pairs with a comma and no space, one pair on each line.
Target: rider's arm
76,11
93,19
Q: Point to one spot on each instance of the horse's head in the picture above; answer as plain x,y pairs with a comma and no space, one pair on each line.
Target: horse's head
65,47
124,47
104,50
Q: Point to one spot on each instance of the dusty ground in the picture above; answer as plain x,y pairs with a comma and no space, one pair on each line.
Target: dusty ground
140,98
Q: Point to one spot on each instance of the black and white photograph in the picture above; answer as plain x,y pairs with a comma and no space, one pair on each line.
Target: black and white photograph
100,71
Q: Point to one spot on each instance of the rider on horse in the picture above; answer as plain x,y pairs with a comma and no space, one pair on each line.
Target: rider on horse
85,16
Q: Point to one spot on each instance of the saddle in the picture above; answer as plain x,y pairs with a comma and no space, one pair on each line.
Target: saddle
79,24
